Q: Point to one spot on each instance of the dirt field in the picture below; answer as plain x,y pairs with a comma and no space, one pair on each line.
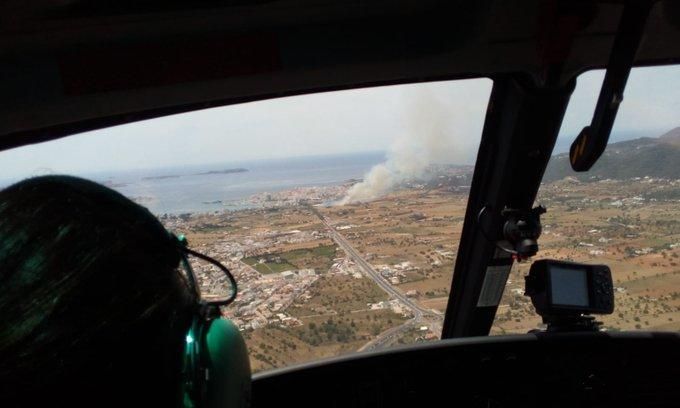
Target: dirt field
610,223
415,233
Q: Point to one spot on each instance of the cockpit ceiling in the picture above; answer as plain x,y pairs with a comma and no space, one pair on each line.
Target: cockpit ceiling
70,66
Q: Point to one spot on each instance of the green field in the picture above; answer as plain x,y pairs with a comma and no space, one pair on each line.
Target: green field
271,267
320,258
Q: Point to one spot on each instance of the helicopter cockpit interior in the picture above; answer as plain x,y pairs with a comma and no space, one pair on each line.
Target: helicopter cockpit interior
69,67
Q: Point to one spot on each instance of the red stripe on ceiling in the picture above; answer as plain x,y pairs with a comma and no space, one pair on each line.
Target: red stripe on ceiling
119,67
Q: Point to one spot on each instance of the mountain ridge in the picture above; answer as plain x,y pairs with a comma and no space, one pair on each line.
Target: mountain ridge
646,156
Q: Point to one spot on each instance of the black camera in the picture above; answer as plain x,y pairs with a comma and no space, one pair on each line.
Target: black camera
563,293
522,229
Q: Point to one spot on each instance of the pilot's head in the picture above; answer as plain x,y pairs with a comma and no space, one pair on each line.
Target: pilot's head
93,304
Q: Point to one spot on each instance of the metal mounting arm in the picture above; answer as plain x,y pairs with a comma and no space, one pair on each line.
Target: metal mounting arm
591,142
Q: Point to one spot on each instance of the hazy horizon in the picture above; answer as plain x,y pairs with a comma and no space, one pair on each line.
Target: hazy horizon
440,120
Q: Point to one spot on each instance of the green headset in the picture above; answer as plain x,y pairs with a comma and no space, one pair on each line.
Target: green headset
216,369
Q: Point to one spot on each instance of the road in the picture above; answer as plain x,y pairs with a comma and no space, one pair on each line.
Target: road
420,315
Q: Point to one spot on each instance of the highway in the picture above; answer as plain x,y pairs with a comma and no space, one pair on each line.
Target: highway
420,315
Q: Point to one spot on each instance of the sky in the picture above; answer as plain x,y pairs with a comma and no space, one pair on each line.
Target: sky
371,119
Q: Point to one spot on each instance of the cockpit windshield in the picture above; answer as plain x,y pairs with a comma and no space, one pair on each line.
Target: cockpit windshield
338,213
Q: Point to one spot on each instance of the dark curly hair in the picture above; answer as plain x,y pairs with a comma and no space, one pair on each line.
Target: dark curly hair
93,307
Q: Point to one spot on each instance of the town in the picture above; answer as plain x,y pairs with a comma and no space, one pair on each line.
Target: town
317,280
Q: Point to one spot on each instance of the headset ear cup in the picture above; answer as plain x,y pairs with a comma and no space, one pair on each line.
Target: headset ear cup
216,366
229,382
203,368
194,369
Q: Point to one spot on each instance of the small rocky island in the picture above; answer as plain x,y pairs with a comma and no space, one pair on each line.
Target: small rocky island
225,171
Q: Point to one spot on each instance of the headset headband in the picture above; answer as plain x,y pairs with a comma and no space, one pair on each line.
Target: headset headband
184,252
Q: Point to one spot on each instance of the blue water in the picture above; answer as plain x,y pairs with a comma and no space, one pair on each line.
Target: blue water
198,193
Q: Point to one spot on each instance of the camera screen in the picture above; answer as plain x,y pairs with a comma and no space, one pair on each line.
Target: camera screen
569,286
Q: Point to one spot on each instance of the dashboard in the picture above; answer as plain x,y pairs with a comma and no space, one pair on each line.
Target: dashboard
595,369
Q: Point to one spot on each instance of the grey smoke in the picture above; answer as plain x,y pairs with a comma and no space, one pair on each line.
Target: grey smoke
436,130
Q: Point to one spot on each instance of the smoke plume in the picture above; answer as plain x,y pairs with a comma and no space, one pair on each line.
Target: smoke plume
428,138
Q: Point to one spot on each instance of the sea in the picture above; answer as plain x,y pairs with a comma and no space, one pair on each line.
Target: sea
207,188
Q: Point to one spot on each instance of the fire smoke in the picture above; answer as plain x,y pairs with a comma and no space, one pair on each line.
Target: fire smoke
428,138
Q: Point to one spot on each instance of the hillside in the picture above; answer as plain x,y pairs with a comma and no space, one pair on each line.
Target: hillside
653,157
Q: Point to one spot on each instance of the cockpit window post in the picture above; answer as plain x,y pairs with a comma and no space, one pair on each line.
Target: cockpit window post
519,134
